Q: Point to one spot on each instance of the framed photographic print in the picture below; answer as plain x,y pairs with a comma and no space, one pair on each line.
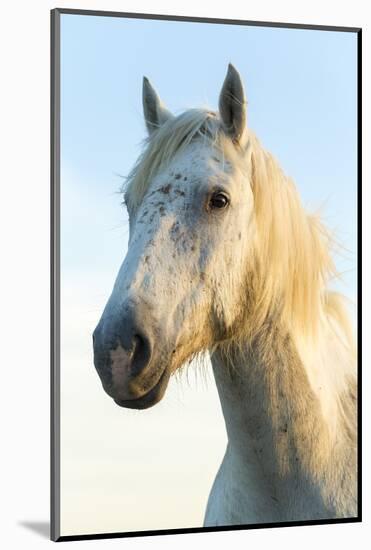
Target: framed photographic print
205,185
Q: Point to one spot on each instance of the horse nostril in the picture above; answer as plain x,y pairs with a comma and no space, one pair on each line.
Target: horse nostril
142,351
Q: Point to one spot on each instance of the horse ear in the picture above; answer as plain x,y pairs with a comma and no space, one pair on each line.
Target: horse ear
155,113
232,104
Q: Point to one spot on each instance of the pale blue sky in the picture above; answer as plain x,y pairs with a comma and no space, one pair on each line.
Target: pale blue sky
301,89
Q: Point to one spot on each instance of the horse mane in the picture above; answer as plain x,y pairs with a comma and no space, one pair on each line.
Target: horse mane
291,263
292,260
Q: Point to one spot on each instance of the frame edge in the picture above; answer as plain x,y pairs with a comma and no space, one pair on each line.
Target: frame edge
54,275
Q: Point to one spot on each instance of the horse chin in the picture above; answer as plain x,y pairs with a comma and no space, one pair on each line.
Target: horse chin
149,399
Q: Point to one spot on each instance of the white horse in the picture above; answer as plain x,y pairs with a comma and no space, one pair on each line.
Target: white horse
223,258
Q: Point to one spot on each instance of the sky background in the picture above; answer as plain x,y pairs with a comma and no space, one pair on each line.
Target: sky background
127,470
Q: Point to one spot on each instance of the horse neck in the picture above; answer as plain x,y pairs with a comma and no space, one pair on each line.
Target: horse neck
291,422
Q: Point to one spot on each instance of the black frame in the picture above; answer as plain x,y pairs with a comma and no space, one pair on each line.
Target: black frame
55,272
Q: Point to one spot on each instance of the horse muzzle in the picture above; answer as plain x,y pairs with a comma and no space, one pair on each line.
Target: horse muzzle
129,366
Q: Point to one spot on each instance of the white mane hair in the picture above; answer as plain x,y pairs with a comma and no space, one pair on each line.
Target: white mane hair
291,263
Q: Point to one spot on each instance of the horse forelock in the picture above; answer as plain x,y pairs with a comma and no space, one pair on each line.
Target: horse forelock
161,147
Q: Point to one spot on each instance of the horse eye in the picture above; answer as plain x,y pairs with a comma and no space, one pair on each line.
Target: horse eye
219,200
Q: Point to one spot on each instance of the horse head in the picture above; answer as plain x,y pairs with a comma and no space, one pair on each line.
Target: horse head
190,204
